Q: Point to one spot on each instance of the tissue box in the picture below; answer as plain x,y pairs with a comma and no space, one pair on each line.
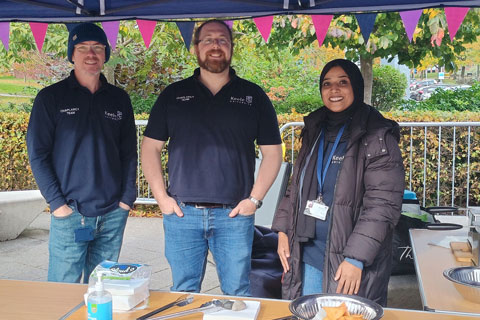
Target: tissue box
125,296
126,282
250,313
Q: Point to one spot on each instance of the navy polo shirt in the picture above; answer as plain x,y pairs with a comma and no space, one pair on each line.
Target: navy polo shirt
83,147
211,148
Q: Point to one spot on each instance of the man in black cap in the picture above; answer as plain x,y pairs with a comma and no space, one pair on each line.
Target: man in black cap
81,143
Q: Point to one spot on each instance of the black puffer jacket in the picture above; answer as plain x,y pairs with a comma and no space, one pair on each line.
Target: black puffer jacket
365,209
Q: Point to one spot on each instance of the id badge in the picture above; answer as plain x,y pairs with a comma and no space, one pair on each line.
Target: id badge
316,209
83,234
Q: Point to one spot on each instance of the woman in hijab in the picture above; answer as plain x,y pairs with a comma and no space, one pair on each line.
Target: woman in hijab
336,221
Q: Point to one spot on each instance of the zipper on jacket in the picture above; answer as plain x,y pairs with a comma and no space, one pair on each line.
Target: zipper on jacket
327,251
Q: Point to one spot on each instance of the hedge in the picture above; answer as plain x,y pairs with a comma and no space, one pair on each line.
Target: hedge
16,172
14,167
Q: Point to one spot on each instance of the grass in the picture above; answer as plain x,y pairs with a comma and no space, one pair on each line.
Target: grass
11,85
15,86
14,104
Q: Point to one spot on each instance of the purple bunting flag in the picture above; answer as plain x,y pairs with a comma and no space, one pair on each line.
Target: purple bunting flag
410,21
111,30
4,33
229,23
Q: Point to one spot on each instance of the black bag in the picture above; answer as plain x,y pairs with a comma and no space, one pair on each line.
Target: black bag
266,273
402,248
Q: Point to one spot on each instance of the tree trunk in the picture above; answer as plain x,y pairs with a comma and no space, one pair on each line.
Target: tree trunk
109,73
366,66
462,76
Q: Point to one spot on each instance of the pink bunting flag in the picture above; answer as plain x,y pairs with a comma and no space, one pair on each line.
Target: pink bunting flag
455,16
146,28
111,30
264,25
39,30
321,24
410,21
229,23
4,33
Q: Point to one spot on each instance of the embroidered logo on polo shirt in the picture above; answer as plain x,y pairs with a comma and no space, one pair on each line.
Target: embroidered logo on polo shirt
185,98
113,116
247,100
69,111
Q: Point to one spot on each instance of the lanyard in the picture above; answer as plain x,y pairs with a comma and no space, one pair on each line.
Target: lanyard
321,177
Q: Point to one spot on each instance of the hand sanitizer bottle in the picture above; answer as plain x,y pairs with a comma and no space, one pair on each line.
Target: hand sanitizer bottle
99,302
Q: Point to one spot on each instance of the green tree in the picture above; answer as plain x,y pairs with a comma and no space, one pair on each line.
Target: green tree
21,41
388,39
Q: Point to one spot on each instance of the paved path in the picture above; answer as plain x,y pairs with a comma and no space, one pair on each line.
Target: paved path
26,258
14,95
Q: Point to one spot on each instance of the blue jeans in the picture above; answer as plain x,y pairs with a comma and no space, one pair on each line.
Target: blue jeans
312,280
69,259
188,239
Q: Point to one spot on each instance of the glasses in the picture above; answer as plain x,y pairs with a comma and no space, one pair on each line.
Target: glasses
84,48
210,41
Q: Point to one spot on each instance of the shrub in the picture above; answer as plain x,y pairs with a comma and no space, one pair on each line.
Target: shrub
14,165
448,100
142,105
389,87
16,173
300,103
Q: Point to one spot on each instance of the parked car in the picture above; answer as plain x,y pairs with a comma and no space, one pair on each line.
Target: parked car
423,83
461,87
426,92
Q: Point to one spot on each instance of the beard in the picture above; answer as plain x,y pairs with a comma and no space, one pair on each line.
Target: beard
215,66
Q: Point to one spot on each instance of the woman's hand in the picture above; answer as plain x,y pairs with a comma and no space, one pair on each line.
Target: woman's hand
348,277
283,251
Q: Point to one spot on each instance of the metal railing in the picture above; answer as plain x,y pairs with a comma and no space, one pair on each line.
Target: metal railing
452,144
144,194
435,155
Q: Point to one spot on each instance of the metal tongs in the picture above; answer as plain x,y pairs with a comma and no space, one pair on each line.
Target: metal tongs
208,307
183,300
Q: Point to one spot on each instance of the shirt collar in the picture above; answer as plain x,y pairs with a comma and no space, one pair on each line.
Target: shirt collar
231,72
73,82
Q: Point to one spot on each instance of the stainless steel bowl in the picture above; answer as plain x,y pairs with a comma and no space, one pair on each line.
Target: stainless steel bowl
306,307
466,280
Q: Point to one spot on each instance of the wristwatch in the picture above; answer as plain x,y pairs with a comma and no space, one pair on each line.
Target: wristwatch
258,203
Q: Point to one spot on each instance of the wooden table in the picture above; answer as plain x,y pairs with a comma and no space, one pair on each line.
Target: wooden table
48,300
438,294
38,300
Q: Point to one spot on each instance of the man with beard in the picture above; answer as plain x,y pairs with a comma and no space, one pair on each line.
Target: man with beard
212,121
82,146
